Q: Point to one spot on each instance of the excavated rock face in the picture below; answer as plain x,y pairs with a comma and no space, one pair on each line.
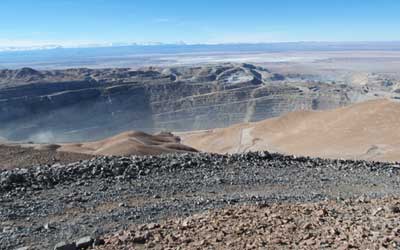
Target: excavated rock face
79,104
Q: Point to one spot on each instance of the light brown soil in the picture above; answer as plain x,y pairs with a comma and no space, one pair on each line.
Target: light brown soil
368,130
359,224
130,143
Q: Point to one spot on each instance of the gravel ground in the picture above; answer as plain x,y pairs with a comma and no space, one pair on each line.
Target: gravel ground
41,206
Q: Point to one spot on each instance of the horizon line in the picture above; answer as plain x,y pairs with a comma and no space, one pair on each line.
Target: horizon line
49,46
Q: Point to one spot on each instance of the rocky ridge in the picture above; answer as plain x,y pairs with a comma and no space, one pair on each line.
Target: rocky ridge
128,168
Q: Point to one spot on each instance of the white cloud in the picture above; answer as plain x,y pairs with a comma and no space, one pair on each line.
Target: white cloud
161,20
22,43
16,44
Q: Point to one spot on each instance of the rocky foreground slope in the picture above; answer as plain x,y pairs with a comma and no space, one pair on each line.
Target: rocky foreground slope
87,104
348,224
42,206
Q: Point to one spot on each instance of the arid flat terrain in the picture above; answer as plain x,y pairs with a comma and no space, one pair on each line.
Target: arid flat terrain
368,130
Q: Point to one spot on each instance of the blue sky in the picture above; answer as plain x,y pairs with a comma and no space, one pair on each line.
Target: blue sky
78,22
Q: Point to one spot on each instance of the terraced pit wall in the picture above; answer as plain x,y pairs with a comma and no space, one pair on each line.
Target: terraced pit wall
84,104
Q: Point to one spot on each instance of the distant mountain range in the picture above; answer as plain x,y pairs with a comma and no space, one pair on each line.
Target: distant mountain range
385,45
123,55
83,46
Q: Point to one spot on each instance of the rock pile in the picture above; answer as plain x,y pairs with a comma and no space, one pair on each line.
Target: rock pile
351,224
82,243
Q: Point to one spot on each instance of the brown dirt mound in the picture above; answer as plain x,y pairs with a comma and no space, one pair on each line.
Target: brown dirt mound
14,155
368,130
130,143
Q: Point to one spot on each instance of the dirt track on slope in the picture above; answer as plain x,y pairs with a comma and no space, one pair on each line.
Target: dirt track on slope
368,131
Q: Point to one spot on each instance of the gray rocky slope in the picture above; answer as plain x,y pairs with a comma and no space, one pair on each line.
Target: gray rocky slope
81,104
43,205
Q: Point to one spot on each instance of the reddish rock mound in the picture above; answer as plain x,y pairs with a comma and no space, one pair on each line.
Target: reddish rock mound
352,224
